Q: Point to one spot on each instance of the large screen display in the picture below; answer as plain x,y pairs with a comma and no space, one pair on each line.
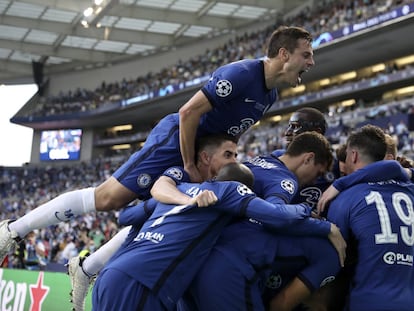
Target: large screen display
60,145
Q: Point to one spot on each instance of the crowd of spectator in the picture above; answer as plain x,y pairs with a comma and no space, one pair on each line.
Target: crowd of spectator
24,188
324,16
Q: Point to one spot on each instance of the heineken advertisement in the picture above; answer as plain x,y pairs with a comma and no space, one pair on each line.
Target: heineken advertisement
22,290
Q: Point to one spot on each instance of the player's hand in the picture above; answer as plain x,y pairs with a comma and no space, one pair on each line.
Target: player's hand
338,242
194,173
205,198
317,216
327,196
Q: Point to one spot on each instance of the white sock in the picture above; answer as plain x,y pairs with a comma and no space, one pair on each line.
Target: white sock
97,260
62,208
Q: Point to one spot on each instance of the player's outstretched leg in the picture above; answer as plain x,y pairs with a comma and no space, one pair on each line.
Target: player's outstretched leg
62,208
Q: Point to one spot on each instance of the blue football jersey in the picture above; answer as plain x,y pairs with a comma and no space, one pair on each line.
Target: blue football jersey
238,94
177,173
275,183
379,217
301,257
252,250
310,194
166,252
138,214
244,257
372,172
239,98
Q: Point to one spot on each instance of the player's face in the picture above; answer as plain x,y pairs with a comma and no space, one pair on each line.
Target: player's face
297,125
226,153
294,127
300,61
310,172
349,160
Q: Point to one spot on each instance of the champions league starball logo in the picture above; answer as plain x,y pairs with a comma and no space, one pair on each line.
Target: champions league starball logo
274,281
175,173
288,186
243,190
223,88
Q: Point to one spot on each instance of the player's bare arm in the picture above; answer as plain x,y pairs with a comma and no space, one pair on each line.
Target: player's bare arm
337,240
291,296
190,115
327,196
165,190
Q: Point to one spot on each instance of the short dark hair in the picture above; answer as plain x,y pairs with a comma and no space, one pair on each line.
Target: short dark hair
236,172
286,37
341,153
313,118
370,142
212,141
312,142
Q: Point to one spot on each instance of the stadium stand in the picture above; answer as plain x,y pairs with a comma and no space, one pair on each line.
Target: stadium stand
335,15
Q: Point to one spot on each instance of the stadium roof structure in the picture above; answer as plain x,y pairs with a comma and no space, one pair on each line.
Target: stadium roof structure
67,35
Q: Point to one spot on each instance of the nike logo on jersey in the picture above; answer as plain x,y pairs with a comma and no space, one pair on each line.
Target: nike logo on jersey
249,100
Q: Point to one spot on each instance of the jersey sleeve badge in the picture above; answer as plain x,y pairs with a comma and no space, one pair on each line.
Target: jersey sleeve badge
223,88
